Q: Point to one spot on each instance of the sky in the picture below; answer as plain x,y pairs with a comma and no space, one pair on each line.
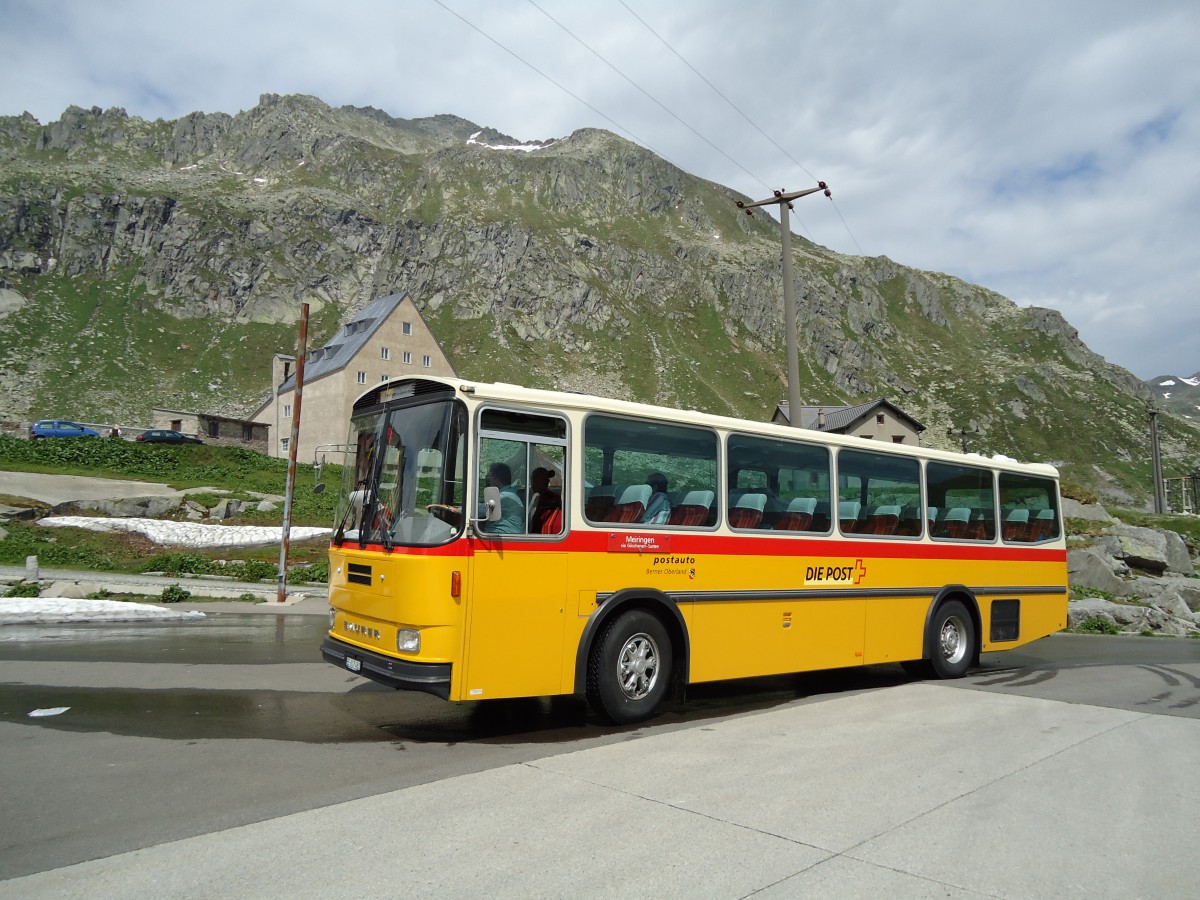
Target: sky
1048,150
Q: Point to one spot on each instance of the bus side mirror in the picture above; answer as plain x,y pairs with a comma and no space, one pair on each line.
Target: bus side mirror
491,504
319,488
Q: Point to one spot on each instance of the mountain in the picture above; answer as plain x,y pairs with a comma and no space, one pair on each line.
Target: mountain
1179,396
162,264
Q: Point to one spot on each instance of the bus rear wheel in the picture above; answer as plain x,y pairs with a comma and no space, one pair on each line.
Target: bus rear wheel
951,640
630,668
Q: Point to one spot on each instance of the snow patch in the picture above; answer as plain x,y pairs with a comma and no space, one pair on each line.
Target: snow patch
526,148
189,534
1168,383
56,610
1192,381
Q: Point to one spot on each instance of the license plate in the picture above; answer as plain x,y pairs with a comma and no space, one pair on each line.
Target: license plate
354,665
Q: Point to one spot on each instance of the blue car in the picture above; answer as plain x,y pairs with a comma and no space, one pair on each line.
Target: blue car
59,428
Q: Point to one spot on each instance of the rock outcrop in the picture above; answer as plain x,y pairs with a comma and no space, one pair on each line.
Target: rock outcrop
1139,579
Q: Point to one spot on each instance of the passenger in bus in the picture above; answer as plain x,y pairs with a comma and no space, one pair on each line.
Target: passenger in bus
542,501
658,510
512,508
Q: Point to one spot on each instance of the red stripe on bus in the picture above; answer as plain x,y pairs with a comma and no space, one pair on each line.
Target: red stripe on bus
733,545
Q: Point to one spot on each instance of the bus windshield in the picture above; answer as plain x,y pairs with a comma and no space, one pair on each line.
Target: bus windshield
403,461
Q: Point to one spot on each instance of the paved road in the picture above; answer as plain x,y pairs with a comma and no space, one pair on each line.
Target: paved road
1058,770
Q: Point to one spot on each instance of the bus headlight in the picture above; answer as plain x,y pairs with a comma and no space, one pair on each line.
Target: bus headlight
332,618
408,640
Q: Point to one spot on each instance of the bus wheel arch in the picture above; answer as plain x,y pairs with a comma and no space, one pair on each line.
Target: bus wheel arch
635,638
953,626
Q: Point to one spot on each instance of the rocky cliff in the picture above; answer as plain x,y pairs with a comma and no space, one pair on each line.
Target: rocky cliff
162,263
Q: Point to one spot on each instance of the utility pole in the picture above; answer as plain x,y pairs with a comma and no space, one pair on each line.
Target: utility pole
784,202
1159,503
286,532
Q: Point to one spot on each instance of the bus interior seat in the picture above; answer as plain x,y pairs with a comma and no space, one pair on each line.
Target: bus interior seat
600,501
798,516
632,504
1043,525
956,523
552,523
692,508
883,520
747,512
848,511
910,521
1016,525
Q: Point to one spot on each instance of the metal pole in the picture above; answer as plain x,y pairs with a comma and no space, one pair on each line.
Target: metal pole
789,320
1159,504
285,537
784,202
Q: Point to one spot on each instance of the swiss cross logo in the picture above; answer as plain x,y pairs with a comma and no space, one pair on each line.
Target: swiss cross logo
860,571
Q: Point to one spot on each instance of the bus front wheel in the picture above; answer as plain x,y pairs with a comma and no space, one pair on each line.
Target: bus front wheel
630,668
952,640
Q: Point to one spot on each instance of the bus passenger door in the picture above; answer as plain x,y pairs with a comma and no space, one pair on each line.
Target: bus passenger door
518,584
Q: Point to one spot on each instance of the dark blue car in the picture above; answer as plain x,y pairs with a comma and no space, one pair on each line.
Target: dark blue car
45,428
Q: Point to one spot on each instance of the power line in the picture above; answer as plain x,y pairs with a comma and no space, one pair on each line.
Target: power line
741,113
716,90
561,87
661,105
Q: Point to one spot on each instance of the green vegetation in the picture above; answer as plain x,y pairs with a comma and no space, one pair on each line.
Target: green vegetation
24,589
173,593
1095,625
238,470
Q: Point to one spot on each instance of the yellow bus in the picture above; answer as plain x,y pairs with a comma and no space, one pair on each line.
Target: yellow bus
495,541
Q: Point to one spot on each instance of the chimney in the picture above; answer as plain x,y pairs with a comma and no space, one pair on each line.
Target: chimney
821,419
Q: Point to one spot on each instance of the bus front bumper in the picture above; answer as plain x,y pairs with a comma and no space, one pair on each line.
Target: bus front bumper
430,678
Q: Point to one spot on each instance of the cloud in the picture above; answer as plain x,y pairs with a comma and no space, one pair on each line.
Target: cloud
1044,151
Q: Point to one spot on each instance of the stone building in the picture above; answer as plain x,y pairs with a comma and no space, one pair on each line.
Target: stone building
386,339
877,420
223,431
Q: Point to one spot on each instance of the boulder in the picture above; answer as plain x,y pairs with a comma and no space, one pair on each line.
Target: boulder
1179,560
1092,512
1141,548
1094,569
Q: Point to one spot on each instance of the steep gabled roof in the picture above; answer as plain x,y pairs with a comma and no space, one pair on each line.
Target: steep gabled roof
843,418
340,349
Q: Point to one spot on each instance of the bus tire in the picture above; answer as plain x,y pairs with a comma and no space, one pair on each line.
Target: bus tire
629,669
951,640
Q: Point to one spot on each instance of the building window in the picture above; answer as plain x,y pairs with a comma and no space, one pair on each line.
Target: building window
407,328
385,353
247,432
383,378
283,444
879,419
897,439
287,410
407,358
214,429
426,361
362,377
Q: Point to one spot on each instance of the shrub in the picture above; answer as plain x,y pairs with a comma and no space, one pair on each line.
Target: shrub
173,593
102,594
1097,625
24,589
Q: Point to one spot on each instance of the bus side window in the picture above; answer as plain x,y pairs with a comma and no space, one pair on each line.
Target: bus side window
642,474
1030,506
792,478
